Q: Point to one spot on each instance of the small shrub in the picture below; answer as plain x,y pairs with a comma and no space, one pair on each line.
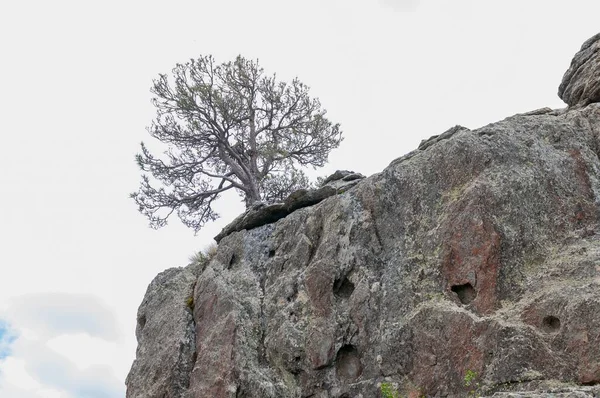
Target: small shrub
469,380
197,258
189,302
204,256
211,250
388,391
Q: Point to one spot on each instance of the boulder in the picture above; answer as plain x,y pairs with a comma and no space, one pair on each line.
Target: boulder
580,85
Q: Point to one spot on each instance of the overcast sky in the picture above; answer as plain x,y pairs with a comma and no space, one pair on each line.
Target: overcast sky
75,255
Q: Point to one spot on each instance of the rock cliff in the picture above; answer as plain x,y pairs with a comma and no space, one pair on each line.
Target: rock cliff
468,267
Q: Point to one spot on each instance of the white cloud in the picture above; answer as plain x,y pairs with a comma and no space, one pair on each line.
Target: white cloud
35,368
7,337
59,313
54,370
66,347
41,373
15,382
84,350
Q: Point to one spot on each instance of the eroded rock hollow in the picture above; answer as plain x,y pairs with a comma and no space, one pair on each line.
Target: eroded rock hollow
468,266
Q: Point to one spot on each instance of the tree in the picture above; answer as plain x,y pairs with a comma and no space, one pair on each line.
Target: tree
228,127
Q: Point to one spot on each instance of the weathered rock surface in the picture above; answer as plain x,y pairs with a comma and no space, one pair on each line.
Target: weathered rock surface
477,255
166,337
581,83
569,392
437,138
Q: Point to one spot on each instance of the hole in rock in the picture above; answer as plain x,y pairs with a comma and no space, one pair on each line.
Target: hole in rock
343,288
591,383
271,252
550,324
466,293
142,321
291,292
233,260
347,364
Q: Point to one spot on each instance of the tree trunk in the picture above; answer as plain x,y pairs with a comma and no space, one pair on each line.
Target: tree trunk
253,193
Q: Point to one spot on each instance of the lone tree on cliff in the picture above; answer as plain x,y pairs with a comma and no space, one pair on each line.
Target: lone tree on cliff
228,126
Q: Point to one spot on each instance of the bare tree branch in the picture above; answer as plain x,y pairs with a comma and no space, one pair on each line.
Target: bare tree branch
228,126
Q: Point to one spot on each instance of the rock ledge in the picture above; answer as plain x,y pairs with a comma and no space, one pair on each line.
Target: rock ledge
261,214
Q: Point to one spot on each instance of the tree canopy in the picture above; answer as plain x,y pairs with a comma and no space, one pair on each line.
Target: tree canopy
227,127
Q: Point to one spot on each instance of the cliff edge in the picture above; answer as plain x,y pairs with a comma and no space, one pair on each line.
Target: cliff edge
470,266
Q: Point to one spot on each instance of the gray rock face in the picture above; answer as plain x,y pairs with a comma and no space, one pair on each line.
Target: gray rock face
468,267
572,392
166,337
581,83
437,138
478,254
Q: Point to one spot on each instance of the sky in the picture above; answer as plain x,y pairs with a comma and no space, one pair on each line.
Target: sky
76,257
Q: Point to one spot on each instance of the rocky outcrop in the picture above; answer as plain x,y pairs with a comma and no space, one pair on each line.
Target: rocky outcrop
581,83
470,266
165,333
